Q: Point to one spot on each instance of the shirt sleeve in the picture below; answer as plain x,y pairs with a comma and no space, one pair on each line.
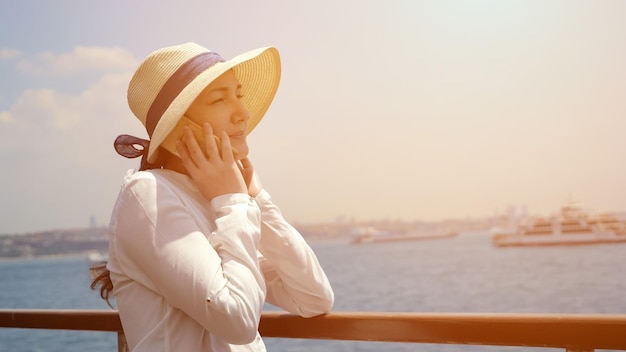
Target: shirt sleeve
214,278
294,278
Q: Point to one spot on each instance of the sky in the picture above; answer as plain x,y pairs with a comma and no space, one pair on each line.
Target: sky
401,110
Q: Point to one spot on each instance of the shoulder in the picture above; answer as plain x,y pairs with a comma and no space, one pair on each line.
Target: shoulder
153,179
148,193
136,183
152,186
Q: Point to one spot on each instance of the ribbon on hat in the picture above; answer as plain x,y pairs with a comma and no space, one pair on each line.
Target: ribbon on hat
132,147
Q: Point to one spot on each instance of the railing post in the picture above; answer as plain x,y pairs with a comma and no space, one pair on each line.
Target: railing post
122,346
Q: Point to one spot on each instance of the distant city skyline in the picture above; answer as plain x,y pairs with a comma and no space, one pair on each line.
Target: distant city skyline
414,109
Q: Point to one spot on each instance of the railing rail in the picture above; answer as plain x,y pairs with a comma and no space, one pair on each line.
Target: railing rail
573,332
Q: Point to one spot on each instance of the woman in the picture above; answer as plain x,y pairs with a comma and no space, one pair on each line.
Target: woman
196,244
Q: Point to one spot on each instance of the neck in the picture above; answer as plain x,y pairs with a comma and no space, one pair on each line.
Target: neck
170,161
175,164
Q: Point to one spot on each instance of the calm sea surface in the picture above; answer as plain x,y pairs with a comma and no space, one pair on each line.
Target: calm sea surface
462,274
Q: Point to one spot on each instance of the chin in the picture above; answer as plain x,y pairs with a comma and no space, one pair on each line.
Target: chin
242,152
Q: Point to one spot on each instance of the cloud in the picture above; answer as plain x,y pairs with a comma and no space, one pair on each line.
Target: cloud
55,120
45,107
49,109
5,117
59,115
6,53
81,59
108,70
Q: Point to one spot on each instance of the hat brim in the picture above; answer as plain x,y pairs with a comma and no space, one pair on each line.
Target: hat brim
258,72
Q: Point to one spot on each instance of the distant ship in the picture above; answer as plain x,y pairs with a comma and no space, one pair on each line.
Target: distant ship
573,226
371,235
96,257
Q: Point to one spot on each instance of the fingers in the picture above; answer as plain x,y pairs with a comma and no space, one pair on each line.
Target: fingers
213,174
190,152
250,176
245,163
227,148
188,149
181,148
213,147
245,171
211,143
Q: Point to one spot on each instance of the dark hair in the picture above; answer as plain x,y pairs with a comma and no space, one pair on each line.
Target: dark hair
101,280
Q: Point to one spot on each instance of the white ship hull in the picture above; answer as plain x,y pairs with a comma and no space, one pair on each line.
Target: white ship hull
572,227
553,239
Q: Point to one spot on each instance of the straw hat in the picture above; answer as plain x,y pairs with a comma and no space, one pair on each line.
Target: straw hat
170,79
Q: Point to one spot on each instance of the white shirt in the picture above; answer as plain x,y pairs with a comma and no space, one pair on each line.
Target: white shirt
192,275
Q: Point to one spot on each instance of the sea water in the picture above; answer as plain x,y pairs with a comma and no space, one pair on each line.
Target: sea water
461,274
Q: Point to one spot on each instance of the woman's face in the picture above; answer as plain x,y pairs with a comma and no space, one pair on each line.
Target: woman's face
220,105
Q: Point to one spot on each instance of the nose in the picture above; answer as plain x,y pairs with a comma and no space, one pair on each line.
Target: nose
240,113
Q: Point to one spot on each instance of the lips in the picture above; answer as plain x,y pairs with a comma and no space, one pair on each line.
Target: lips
237,135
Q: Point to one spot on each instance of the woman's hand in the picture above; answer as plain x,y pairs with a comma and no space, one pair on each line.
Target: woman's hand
214,173
250,176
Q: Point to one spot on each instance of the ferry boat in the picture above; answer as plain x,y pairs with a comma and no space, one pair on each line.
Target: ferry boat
96,257
573,226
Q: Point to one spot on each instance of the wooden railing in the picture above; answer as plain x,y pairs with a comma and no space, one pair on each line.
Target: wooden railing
573,332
